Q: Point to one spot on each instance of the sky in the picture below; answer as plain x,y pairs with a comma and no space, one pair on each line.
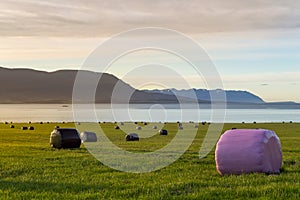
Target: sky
254,45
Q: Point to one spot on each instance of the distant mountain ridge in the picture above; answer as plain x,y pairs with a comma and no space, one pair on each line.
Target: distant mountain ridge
232,96
32,86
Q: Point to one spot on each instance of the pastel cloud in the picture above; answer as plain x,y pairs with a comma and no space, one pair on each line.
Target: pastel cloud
78,18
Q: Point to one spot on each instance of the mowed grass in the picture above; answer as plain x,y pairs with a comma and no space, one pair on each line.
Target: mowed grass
30,169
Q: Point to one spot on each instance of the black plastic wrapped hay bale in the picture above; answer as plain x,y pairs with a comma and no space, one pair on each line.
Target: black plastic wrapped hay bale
31,128
65,138
154,127
117,127
24,128
12,126
138,128
132,137
163,132
88,136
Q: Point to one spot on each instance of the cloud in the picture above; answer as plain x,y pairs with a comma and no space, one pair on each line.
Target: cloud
75,18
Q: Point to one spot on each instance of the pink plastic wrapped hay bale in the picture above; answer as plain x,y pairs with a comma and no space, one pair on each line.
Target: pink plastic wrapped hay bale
242,151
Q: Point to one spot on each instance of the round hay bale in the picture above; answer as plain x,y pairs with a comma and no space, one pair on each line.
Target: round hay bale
138,128
12,126
122,123
154,127
145,123
180,127
117,127
41,122
29,122
291,122
135,123
242,151
24,128
163,132
65,138
132,137
196,126
31,128
56,127
203,123
5,122
88,136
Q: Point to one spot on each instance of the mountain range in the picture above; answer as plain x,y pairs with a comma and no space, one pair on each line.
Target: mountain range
32,86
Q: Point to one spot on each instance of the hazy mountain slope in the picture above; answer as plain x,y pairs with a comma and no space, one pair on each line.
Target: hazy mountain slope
31,86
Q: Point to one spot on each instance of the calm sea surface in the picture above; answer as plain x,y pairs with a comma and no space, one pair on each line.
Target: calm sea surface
104,112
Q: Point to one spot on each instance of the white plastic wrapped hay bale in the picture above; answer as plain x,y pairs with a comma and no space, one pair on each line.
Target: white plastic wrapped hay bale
88,136
242,151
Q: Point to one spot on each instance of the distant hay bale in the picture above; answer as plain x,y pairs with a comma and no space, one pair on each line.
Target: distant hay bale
31,128
163,132
56,127
5,122
154,127
180,127
138,128
65,138
24,128
117,127
203,123
12,126
254,122
196,126
132,137
41,122
242,151
88,136
29,122
135,123
145,123
291,122
78,123
122,123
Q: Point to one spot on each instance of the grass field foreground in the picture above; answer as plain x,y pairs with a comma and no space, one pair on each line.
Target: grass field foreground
30,169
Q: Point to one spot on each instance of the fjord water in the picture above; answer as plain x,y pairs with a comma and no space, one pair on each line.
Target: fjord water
138,112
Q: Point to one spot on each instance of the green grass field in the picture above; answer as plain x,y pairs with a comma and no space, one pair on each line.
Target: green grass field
30,169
